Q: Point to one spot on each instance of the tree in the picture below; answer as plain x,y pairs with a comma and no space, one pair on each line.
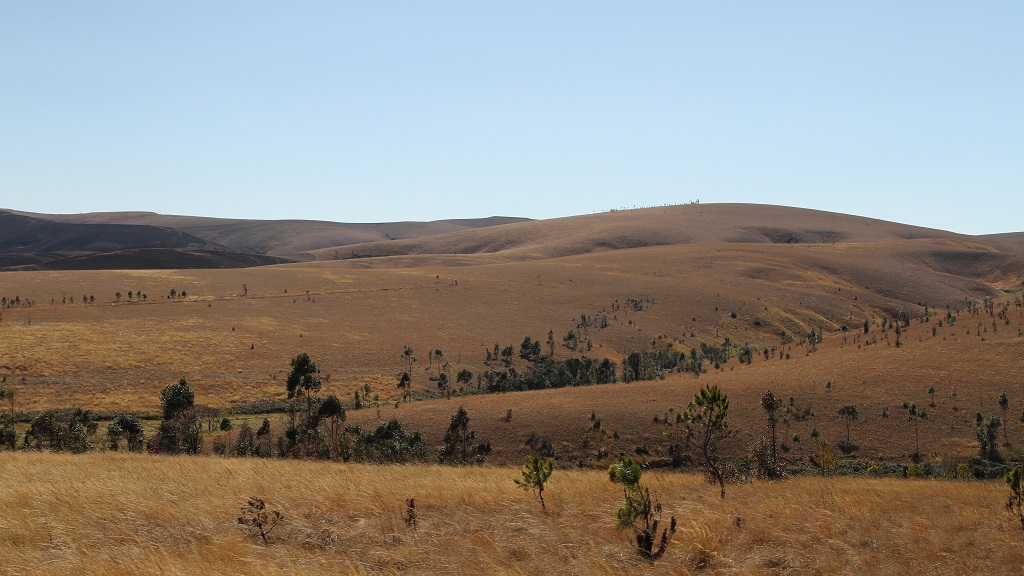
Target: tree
705,424
535,473
409,358
640,512
264,432
303,381
770,404
457,440
988,436
404,383
915,416
849,413
180,429
8,437
61,431
332,410
225,426
1004,405
125,427
175,398
245,445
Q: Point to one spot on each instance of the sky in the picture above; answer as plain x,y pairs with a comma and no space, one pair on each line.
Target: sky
390,111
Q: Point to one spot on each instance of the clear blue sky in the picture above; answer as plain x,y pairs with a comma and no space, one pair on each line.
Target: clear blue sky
380,111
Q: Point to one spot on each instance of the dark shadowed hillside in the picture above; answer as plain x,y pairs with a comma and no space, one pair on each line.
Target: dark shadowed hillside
288,238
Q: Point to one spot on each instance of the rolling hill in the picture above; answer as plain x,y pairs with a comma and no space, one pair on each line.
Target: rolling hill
290,239
687,276
669,225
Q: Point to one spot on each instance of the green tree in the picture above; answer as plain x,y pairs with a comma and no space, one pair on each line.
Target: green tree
263,438
534,474
770,404
61,431
639,512
706,426
404,383
125,428
407,354
1015,504
180,430
8,437
915,416
457,440
303,381
1004,405
245,445
850,415
226,426
988,436
333,412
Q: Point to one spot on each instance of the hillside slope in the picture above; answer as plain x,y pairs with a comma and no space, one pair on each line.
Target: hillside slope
20,234
670,225
288,238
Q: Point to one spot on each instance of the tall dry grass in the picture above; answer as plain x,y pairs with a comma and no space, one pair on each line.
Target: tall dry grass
136,514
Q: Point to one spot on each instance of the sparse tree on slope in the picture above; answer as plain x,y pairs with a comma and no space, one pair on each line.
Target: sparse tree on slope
706,427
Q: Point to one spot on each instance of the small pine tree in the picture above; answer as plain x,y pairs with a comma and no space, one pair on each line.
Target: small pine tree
535,473
1015,504
706,426
640,512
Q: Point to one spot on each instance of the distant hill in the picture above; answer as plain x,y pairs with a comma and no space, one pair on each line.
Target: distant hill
145,240
287,238
153,259
670,225
22,234
148,240
29,243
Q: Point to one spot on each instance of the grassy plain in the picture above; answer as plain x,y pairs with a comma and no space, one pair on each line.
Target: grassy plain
136,514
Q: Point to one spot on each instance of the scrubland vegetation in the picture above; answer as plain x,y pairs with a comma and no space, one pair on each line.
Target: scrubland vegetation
118,513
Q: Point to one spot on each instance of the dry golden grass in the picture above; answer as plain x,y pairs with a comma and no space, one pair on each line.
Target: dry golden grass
118,513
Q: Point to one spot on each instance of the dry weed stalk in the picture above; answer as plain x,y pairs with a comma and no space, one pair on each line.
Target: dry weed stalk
257,519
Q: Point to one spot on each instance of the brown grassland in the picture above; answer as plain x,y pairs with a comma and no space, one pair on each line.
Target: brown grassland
354,318
702,273
135,514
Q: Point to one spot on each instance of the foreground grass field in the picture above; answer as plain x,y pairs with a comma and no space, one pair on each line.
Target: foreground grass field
136,514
